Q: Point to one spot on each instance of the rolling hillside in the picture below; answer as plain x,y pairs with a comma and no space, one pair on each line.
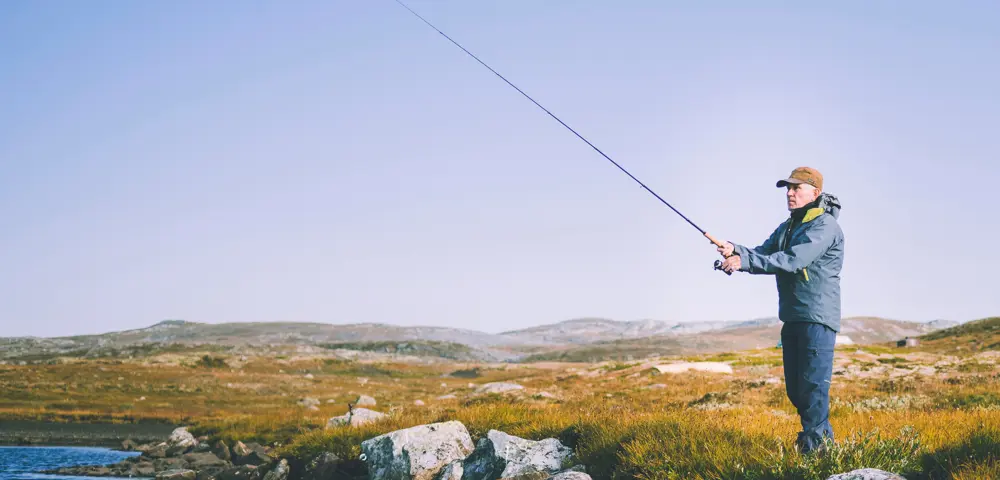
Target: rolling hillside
578,339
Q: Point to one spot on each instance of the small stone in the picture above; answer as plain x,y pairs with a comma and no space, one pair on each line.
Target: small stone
866,474
571,475
280,472
177,474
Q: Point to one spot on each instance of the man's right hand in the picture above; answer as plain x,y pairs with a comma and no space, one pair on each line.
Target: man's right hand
726,249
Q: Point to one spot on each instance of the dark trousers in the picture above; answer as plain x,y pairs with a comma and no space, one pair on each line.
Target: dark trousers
807,349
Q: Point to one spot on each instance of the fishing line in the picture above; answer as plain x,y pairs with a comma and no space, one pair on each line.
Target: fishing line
703,232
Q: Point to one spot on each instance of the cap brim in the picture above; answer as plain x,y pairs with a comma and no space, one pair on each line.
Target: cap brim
785,182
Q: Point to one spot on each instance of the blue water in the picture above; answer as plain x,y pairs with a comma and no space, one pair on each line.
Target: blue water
19,463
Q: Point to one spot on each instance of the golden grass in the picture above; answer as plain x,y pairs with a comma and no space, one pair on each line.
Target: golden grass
622,419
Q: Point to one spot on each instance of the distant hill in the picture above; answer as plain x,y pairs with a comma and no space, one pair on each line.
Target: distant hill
584,331
763,333
577,339
181,333
977,335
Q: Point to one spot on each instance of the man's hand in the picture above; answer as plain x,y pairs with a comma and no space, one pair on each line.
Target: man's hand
732,264
726,250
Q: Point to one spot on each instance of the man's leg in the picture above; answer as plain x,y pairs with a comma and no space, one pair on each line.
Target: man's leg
809,390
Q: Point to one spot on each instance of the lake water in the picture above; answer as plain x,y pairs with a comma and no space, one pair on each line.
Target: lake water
18,463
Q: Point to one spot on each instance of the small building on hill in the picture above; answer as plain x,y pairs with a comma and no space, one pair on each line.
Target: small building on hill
844,340
908,342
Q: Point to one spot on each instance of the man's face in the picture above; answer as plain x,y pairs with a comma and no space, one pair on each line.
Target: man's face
800,195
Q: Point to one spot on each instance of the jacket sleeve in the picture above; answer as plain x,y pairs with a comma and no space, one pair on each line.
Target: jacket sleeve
769,246
804,250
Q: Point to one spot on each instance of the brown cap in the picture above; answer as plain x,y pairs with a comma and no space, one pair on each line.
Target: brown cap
803,175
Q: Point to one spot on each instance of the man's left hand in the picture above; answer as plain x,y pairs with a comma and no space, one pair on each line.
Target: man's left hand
732,264
726,249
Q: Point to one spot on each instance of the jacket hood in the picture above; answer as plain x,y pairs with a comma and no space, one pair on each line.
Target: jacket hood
829,203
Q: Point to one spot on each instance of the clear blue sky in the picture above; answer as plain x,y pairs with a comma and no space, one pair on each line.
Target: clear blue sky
341,162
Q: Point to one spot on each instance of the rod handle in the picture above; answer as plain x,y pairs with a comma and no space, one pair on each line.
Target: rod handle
714,240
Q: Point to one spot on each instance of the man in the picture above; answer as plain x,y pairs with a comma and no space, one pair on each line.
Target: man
805,254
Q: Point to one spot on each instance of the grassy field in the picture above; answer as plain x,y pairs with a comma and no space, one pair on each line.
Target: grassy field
928,412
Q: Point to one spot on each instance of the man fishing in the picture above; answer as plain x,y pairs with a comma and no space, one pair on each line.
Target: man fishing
805,254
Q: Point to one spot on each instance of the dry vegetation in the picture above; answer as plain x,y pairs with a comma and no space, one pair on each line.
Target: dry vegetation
929,412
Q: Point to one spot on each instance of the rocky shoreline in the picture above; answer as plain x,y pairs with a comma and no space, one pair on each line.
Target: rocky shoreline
436,451
39,433
440,451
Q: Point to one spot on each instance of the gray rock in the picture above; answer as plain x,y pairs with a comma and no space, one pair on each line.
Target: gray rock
202,447
177,475
211,473
240,450
498,387
200,460
255,454
323,467
866,474
279,472
571,476
143,470
529,476
180,441
356,417
154,451
170,463
500,455
365,401
451,471
416,453
243,472
221,450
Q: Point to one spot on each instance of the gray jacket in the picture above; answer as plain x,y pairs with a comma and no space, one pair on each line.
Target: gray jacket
805,254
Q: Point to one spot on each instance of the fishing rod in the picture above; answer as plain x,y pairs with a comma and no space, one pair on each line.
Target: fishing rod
711,238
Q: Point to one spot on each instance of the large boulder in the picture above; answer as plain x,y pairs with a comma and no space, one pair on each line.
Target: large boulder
416,453
451,471
180,441
499,455
355,418
866,474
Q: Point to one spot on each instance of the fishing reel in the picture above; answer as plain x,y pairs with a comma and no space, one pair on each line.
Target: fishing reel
718,266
